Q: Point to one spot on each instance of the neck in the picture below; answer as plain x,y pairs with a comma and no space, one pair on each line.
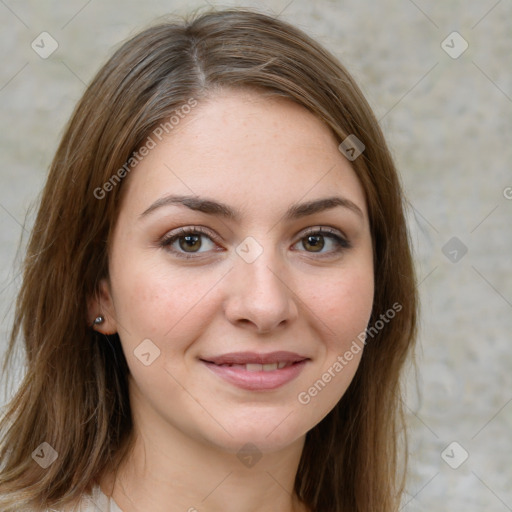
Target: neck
169,471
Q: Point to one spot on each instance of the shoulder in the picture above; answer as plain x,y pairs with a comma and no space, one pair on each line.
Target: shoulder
94,501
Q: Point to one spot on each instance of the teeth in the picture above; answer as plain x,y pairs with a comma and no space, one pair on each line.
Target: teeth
255,367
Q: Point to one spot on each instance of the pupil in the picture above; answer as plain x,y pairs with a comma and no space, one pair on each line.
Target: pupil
316,242
190,241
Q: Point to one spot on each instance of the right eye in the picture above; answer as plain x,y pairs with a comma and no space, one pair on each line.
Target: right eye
186,241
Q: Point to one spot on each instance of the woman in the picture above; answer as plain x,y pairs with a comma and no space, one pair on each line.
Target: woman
218,293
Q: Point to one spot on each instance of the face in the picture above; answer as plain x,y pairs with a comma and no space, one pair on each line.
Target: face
231,304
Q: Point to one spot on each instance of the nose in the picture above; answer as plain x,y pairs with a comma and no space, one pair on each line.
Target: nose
261,295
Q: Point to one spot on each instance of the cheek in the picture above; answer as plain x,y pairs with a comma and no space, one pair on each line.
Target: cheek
345,306
153,303
343,311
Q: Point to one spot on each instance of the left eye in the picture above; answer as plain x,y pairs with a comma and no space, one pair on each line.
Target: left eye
316,241
320,239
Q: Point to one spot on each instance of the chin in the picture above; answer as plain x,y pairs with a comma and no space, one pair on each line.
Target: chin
268,433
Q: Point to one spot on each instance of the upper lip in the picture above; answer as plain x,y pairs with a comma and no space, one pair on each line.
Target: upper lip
255,358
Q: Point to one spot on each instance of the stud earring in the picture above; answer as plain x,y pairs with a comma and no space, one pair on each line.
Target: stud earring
99,320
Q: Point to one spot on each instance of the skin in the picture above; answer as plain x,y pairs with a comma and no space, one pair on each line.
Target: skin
259,156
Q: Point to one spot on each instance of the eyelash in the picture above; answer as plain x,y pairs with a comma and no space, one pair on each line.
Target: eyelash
166,242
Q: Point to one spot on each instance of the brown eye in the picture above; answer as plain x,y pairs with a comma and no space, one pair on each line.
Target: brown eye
188,242
192,242
324,242
315,242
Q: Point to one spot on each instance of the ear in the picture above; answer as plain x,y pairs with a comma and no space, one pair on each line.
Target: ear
101,304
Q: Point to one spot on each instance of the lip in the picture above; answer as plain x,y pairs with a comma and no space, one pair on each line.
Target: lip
255,358
256,380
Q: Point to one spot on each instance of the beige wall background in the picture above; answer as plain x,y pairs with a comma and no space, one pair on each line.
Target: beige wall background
447,113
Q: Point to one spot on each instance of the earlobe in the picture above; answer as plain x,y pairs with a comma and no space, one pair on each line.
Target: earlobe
100,312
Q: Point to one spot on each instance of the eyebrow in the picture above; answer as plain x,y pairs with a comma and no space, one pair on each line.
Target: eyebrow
212,207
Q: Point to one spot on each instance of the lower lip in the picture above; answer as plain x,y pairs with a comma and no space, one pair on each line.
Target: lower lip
257,381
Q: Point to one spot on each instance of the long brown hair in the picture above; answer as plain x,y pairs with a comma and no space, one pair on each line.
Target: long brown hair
74,395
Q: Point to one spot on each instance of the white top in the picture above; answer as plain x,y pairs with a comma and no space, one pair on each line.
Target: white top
96,501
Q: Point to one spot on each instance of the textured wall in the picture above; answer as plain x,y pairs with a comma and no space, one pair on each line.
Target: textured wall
448,118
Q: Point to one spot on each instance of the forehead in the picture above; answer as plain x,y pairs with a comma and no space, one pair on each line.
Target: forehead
249,148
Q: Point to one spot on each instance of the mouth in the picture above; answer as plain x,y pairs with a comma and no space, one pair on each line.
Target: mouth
255,367
257,372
